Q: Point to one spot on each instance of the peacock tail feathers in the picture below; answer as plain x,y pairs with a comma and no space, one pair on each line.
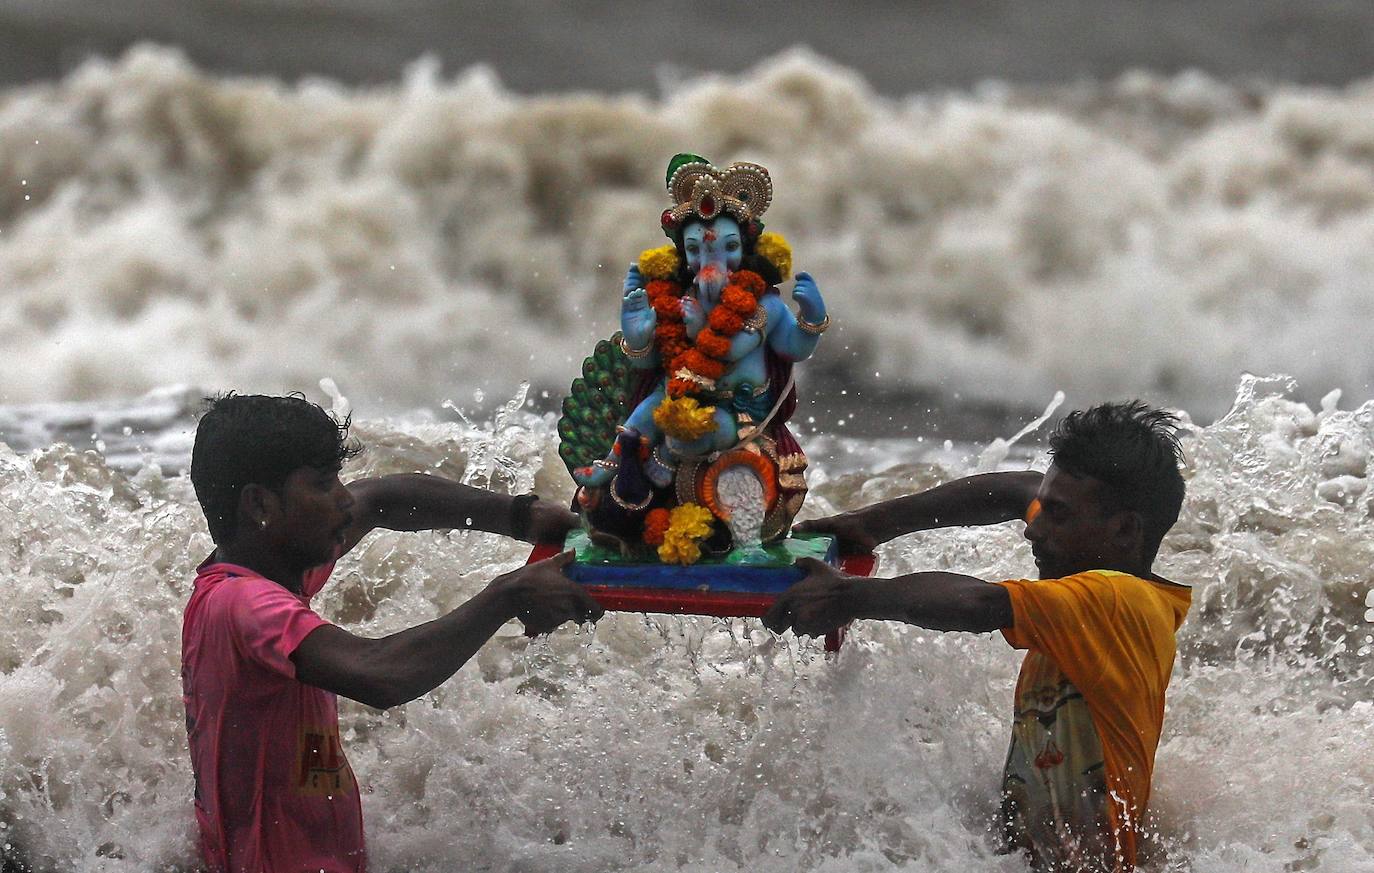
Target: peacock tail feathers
597,402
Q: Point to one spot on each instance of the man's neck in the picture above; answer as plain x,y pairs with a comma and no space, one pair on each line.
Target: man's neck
1134,568
264,562
1130,568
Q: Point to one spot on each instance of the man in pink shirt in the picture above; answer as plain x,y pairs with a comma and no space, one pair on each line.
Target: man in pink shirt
260,669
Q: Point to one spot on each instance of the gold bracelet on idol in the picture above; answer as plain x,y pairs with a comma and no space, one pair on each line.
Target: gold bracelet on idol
635,353
814,329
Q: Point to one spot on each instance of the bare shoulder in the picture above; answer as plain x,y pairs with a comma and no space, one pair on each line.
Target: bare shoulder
365,491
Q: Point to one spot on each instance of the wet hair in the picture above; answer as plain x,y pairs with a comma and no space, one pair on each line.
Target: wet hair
1134,452
749,260
251,439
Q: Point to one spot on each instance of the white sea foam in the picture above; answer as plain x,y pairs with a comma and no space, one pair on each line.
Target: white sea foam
695,744
419,241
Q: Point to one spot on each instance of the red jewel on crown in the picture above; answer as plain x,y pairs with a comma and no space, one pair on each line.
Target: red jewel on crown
707,207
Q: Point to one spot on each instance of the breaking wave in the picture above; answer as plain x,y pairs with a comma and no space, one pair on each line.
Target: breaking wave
442,236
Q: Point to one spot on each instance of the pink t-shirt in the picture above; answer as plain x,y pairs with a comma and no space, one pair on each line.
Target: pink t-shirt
274,793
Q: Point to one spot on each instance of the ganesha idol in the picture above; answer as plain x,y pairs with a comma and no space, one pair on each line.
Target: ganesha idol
676,434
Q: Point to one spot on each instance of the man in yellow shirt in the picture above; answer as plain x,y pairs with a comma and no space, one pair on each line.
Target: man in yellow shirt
1097,626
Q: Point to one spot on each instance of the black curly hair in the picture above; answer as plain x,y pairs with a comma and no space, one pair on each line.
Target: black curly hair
1134,451
252,439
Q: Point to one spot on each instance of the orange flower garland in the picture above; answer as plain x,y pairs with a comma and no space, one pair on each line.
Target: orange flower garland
705,358
726,321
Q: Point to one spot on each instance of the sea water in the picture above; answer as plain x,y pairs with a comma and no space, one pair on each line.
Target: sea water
697,744
428,239
434,243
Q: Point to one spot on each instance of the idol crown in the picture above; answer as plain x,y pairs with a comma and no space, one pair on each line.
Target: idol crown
698,188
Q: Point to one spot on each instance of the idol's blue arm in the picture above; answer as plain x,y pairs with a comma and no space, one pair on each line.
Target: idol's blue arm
786,337
637,323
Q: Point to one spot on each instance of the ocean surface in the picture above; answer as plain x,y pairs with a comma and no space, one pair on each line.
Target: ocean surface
693,744
443,238
445,250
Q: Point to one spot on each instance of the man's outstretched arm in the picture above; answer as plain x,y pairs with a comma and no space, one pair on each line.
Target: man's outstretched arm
399,668
415,501
988,498
827,599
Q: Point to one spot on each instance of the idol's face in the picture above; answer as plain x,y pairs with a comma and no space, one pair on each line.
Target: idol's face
713,250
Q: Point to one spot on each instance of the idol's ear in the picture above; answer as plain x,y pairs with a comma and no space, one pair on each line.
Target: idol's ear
659,263
775,250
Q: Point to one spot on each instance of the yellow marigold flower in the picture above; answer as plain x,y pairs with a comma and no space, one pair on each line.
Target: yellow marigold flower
684,418
692,517
659,263
676,550
776,251
688,525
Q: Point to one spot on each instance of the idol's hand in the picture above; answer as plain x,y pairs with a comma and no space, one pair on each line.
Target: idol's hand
809,300
637,317
692,316
633,279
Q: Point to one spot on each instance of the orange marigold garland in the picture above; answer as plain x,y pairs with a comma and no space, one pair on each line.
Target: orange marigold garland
662,289
712,344
725,321
705,357
749,281
693,367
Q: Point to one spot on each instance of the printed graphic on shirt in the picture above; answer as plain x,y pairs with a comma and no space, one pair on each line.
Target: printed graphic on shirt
323,770
1054,784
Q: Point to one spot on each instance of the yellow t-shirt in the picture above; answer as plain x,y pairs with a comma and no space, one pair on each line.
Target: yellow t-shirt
1089,710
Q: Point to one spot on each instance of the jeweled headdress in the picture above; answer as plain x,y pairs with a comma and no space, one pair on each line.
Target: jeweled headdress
698,188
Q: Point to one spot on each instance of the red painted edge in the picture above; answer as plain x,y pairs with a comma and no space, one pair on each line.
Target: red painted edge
721,604
542,551
860,564
674,601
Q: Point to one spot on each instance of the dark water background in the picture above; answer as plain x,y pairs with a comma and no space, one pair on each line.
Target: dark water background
544,45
